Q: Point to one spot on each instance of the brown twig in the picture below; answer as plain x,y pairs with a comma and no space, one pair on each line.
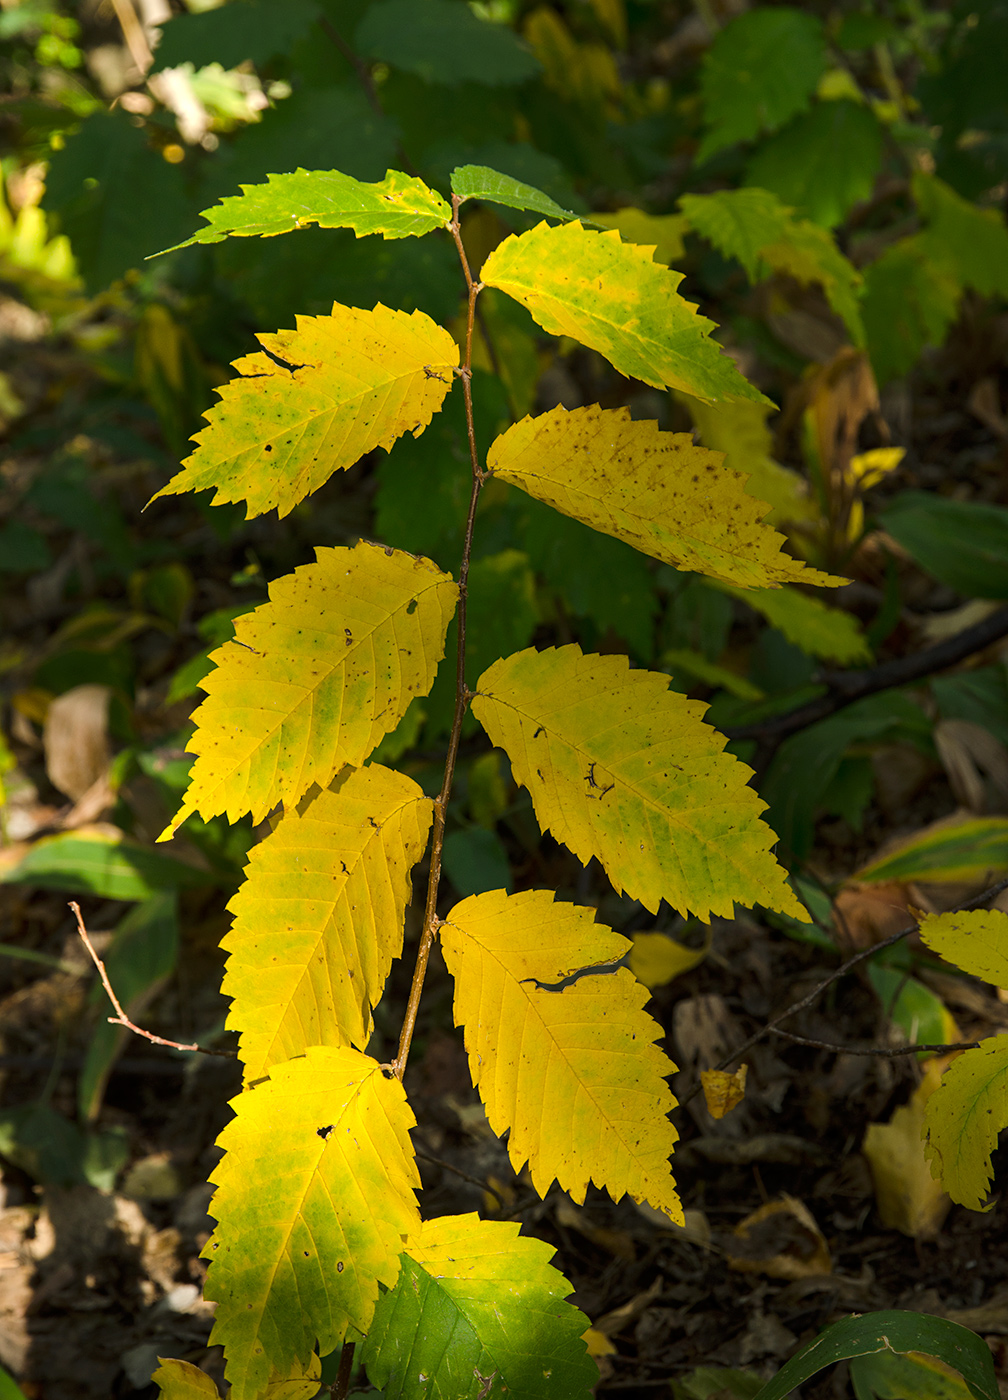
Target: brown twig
431,922
341,1385
120,1018
888,1053
457,1171
844,687
835,976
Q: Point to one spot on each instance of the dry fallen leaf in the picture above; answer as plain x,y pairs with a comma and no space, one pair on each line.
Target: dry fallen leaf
723,1090
782,1240
76,739
909,1199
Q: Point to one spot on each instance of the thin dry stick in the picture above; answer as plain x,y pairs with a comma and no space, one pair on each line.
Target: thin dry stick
120,1018
835,976
883,1052
431,922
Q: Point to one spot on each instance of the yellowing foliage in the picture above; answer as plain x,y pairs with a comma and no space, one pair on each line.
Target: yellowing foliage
325,394
657,491
623,769
181,1381
568,1069
975,940
611,296
315,1198
320,917
963,1118
829,633
316,677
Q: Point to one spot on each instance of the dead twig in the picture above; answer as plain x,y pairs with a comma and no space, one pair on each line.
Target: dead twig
835,976
120,1018
883,1052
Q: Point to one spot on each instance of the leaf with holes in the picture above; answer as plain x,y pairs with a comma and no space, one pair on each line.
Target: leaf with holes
657,491
610,296
476,1302
314,1199
621,768
320,916
566,1064
315,678
314,401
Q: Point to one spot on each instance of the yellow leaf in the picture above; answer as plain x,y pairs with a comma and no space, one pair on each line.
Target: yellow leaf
315,1197
571,1073
179,1380
315,678
662,233
656,959
622,769
909,1199
610,296
320,916
325,394
869,468
598,1343
584,73
655,490
740,431
781,1240
723,1089
301,1385
964,1117
397,207
828,633
976,941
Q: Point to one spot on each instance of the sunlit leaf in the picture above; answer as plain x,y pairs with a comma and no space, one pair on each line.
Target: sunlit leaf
480,182
316,677
621,768
314,1199
567,1068
612,297
963,1119
320,916
314,401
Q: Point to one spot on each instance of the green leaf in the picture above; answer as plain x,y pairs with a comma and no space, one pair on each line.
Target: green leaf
478,1311
823,162
828,633
980,696
952,851
250,31
314,401
139,960
910,1004
443,41
316,677
900,1332
480,182
43,1143
9,1389
320,916
962,543
653,490
397,207
610,296
475,861
101,860
314,1201
761,69
806,763
909,303
622,769
116,199
973,241
885,1375
963,1119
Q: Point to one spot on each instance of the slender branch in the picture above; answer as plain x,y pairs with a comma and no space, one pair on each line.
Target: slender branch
473,1180
120,1018
359,66
882,1052
341,1385
844,687
431,922
835,976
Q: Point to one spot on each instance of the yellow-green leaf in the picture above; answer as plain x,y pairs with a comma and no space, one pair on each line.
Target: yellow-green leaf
656,491
315,1199
623,769
828,633
474,1300
320,916
740,431
568,1069
325,394
662,233
179,1380
948,850
963,1118
396,207
611,296
315,678
975,940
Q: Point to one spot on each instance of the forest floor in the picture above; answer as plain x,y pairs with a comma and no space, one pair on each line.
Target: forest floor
94,1285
